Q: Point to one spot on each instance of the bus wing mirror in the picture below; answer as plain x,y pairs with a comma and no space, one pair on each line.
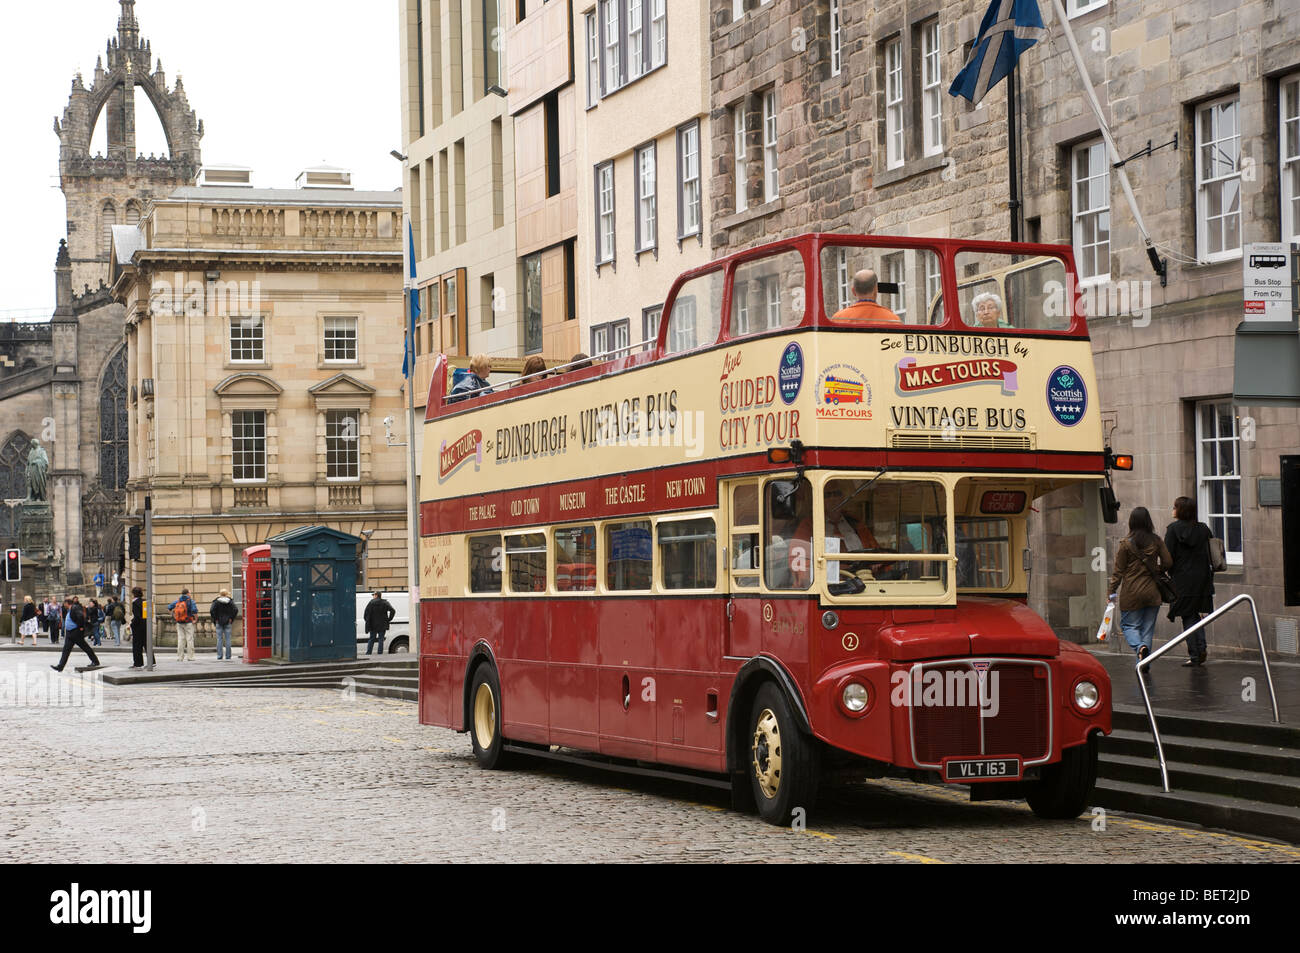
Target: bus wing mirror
1109,505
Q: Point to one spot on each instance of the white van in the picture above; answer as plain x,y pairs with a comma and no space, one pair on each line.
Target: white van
398,638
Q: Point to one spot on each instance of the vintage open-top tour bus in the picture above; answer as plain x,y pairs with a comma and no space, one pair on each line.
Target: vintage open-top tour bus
776,541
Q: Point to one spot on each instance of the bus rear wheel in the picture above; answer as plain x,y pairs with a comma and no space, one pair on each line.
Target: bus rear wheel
485,719
783,762
1063,791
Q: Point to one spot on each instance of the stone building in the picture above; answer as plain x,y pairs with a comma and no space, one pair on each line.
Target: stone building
262,361
643,150
846,124
64,381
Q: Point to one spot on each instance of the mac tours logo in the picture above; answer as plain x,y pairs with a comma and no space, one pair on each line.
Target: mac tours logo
843,393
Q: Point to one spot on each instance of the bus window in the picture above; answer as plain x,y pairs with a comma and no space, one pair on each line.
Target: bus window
485,563
745,548
628,556
526,562
696,315
787,520
874,520
997,290
768,294
908,285
688,553
983,553
575,559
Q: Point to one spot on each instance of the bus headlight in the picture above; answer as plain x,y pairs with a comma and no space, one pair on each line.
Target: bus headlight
1086,695
855,697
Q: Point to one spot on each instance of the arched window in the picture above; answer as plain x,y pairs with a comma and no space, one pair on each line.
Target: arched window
132,213
113,440
107,219
13,481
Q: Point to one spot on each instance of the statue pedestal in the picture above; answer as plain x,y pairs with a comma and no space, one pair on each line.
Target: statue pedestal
36,529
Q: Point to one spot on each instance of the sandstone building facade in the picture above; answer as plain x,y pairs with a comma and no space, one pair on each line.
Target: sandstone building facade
262,362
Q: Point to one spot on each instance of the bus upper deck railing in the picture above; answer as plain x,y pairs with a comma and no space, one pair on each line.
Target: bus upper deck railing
1144,664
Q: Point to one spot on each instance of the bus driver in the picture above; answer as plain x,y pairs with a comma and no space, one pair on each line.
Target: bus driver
851,534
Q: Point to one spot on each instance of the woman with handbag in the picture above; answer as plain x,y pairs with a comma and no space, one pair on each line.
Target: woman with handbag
1189,543
1140,578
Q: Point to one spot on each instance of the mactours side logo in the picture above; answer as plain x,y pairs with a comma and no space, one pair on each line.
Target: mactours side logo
102,907
947,688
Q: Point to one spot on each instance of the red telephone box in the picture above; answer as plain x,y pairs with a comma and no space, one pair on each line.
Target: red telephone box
257,603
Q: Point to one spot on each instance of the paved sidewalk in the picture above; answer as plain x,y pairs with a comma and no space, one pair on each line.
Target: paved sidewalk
1213,690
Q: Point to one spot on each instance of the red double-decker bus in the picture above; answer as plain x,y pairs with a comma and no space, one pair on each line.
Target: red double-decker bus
693,556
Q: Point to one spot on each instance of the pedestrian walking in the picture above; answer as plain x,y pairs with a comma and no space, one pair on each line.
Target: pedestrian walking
378,614
223,611
28,623
1188,542
74,633
138,623
53,619
1139,561
116,617
184,611
95,622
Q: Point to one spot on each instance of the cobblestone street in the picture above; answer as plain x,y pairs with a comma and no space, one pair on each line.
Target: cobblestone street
183,773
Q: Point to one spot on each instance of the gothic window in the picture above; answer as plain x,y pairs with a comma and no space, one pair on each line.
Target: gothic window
113,440
107,219
132,213
13,480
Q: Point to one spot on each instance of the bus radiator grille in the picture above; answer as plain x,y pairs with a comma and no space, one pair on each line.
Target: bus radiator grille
1019,723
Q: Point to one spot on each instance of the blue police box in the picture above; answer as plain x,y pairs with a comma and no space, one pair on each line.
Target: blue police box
313,595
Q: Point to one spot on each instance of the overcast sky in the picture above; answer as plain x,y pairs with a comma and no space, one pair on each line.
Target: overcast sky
279,86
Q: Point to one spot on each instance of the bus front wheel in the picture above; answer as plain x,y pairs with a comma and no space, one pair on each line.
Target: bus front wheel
1063,792
485,718
783,762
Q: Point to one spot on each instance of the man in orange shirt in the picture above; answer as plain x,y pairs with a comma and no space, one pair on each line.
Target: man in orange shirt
866,308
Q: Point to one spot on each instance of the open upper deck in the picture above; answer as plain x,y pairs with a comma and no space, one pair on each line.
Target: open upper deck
973,356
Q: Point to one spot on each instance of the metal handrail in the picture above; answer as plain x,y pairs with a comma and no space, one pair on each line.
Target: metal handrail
578,364
1145,663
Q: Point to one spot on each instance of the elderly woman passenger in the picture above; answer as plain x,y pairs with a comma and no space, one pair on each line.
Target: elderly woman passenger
988,311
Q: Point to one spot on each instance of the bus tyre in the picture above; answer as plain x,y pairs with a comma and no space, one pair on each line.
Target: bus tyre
1063,792
783,761
485,718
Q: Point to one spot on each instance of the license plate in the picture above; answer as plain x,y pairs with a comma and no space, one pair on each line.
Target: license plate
981,769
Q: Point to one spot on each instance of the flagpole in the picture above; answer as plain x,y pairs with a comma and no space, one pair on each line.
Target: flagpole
1159,265
413,498
1013,164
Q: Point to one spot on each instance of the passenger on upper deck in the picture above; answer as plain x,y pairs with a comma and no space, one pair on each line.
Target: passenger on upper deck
866,308
480,365
535,365
988,311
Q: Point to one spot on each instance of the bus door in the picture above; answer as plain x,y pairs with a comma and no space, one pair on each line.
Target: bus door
769,559
744,569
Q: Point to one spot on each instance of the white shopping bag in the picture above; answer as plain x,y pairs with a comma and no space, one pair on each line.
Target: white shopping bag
1107,622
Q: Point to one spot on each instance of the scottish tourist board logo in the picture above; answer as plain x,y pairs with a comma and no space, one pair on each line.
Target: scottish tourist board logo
1067,397
790,375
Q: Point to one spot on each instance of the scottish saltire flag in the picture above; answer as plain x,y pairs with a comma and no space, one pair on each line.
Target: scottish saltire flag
1009,28
412,304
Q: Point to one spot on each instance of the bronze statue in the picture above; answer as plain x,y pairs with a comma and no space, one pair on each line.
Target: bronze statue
38,465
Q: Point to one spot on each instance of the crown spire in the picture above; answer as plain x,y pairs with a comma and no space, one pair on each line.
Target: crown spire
128,31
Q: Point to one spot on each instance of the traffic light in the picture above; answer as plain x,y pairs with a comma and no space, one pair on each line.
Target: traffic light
13,565
133,543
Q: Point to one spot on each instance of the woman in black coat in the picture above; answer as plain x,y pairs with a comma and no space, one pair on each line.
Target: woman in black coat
1189,543
138,624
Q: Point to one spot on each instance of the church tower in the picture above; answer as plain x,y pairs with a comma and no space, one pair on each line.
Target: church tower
113,189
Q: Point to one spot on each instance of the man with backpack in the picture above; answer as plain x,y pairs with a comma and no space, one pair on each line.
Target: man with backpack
184,613
116,618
